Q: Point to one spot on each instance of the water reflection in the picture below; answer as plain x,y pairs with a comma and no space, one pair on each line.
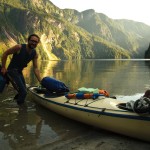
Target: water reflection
23,127
125,77
147,63
14,128
33,126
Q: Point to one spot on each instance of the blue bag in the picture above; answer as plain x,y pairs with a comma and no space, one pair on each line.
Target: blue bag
2,83
53,85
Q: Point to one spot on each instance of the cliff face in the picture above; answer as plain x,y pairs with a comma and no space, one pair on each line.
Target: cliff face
68,34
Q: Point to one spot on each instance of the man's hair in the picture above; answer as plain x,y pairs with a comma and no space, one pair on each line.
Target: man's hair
33,35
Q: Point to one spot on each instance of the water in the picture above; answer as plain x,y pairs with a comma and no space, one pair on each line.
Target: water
35,126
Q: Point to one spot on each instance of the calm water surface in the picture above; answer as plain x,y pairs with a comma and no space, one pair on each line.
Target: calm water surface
35,126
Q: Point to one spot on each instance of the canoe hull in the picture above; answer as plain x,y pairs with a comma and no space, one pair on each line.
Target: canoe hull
115,120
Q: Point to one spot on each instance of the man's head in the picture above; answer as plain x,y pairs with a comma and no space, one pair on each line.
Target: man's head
33,41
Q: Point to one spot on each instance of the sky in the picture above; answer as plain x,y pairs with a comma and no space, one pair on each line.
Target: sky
136,10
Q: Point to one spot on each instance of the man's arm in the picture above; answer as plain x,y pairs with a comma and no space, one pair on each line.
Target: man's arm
9,51
36,69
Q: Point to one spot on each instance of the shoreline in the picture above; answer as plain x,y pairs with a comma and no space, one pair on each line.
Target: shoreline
98,140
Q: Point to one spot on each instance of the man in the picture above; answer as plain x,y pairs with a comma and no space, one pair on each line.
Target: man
22,55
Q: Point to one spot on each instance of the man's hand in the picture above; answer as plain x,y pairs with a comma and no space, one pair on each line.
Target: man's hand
3,70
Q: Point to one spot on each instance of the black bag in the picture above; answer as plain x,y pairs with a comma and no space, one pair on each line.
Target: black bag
53,85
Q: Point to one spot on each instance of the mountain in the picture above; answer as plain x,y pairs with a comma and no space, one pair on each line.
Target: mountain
130,35
69,34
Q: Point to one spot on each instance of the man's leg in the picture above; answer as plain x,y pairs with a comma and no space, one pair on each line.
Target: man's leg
20,82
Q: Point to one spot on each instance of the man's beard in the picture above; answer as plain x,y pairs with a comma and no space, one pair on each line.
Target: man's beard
31,46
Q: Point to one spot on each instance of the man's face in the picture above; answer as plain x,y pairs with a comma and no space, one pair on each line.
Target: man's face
33,42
